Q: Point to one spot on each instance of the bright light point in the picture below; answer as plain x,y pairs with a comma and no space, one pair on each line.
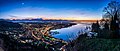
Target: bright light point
23,3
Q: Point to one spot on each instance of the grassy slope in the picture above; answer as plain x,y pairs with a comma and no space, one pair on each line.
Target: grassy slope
97,44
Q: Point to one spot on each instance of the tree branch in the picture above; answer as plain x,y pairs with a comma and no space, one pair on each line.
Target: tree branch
108,12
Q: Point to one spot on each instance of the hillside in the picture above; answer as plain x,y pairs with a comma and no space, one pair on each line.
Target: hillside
96,44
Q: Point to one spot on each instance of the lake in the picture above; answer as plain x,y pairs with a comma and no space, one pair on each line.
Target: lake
72,32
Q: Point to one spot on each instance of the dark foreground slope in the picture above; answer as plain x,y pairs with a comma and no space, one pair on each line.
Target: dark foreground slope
95,44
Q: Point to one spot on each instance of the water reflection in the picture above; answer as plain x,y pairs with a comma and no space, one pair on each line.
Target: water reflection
71,33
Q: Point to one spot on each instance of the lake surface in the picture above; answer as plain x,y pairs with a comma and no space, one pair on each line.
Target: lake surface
72,32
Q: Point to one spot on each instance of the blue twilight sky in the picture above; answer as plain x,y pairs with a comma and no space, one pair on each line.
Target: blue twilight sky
54,9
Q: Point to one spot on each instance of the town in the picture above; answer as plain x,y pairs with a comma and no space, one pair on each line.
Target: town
28,35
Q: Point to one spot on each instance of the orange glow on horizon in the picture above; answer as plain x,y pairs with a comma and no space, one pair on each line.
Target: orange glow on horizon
59,18
72,18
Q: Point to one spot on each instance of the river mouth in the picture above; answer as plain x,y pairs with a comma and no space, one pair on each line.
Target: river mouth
72,32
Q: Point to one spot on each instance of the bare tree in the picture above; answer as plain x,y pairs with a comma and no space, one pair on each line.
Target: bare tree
112,8
112,12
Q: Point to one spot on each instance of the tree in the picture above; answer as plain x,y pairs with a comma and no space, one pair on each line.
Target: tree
112,12
95,27
106,25
112,8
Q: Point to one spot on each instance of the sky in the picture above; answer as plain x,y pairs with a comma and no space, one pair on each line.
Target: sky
52,9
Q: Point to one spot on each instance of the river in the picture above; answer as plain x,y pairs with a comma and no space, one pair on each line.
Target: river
72,32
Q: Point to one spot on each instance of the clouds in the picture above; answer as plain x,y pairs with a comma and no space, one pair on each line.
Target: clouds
52,9
34,12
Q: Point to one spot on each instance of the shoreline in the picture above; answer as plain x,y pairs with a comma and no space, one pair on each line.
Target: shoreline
59,26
